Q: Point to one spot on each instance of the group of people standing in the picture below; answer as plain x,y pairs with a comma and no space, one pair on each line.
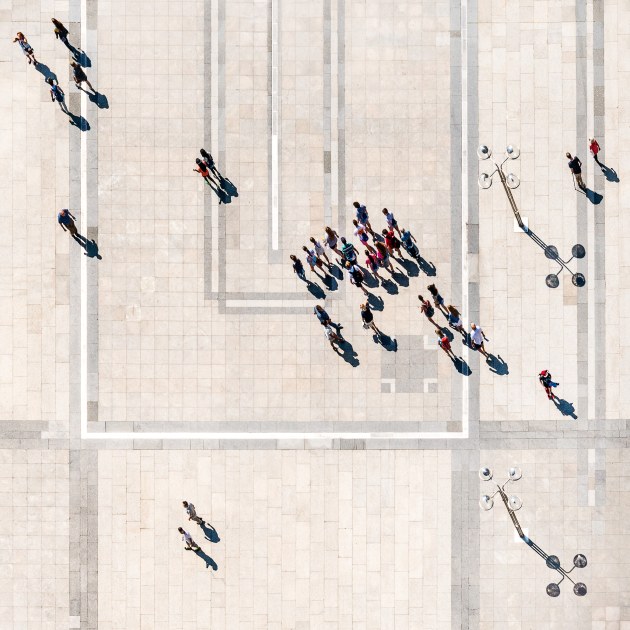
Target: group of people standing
379,248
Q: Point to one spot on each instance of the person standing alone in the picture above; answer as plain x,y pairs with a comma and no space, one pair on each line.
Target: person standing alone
575,165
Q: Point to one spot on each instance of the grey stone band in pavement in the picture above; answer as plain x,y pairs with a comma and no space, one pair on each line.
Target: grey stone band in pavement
581,105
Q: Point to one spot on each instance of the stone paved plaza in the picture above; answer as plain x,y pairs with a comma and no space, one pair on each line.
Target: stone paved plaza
172,354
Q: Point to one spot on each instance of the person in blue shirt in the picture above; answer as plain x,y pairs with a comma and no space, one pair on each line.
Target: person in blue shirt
57,94
363,216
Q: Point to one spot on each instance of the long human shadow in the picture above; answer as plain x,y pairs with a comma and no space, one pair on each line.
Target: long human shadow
209,532
390,344
390,286
335,271
45,71
400,278
91,249
206,558
461,366
411,268
427,267
594,197
78,121
376,302
347,352
497,365
330,282
100,100
565,407
314,289
609,173
370,280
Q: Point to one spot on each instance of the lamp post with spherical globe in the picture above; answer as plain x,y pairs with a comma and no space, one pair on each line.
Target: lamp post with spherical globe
514,503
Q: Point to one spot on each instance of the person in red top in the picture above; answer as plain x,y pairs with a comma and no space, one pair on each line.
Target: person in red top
595,148
202,169
444,343
391,241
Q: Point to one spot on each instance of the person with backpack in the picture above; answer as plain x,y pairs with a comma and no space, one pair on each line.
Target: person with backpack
545,380
356,276
348,252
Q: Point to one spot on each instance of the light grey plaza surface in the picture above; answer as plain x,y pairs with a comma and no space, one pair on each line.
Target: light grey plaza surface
186,363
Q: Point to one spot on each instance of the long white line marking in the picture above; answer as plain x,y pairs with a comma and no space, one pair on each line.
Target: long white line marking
275,106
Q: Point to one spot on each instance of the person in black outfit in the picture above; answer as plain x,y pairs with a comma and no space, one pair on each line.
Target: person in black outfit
576,168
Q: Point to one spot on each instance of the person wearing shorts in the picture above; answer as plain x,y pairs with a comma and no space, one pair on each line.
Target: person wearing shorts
545,380
427,310
348,252
361,233
363,216
383,257
392,224
455,320
438,300
444,343
319,250
356,276
477,337
298,267
371,262
27,49
368,318
56,94
391,242
79,76
312,259
330,238
409,243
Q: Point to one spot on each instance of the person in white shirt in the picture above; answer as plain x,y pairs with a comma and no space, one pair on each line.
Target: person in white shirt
477,337
187,538
192,513
319,250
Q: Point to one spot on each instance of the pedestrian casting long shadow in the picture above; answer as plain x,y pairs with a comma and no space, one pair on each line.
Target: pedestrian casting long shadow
497,365
209,532
376,302
206,558
388,343
347,353
46,71
100,100
79,122
594,197
461,366
427,267
609,173
565,407
411,269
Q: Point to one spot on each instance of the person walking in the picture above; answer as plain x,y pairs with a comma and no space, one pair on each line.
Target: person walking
371,262
356,276
391,241
444,343
298,267
348,252
192,513
330,238
576,168
455,320
438,300
545,380
408,241
361,233
319,250
66,221
79,76
427,310
61,32
202,169
392,224
208,159
57,94
595,149
27,49
313,260
187,538
363,217
324,318
383,256
368,318
477,337
333,338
